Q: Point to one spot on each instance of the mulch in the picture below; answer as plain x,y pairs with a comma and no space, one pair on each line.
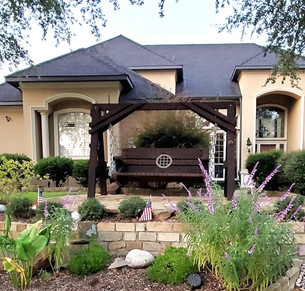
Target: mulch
125,279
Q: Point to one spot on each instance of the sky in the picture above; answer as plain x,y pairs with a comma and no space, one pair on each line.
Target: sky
185,22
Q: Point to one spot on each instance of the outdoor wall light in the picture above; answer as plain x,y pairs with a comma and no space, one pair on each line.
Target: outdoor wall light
8,119
249,145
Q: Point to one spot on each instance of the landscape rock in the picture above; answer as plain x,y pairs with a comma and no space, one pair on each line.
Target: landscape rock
139,258
118,263
2,208
76,216
163,214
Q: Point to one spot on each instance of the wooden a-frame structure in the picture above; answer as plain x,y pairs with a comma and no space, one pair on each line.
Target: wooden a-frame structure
104,115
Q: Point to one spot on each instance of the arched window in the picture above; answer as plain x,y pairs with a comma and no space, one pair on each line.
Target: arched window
271,128
73,135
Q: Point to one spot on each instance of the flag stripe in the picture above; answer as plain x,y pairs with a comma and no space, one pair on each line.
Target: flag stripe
147,214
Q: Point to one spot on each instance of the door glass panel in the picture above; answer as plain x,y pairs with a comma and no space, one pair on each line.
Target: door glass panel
270,122
74,137
267,147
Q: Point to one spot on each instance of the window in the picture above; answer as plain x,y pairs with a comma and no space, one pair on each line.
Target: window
270,128
73,135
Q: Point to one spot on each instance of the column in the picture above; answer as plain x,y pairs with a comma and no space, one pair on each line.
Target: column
45,134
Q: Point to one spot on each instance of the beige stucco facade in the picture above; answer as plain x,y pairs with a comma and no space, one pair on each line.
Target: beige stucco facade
280,95
32,128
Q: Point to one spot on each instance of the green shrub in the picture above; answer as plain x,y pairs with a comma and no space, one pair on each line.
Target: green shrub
173,267
51,207
267,163
294,169
15,178
80,172
282,205
132,206
16,157
58,169
89,261
187,204
92,209
20,207
171,131
247,248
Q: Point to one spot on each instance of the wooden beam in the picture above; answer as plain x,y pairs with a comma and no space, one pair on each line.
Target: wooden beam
101,166
114,118
211,117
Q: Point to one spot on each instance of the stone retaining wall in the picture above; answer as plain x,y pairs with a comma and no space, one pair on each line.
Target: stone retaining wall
119,238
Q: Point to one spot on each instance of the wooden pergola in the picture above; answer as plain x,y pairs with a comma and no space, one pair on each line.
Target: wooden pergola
104,115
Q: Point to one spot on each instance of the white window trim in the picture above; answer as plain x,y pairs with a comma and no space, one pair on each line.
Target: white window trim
56,133
278,140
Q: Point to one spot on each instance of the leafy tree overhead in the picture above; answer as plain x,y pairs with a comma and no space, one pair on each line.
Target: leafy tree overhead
282,20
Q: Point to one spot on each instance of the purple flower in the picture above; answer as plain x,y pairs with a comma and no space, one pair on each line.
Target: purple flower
234,201
227,256
192,206
269,177
252,249
188,192
255,232
296,212
251,174
207,179
45,209
170,203
287,192
65,202
211,204
283,213
256,206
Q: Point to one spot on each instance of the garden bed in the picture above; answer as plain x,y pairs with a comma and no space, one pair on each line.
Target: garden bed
126,279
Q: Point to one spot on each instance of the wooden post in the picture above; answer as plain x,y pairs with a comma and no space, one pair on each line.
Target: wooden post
230,163
92,166
102,164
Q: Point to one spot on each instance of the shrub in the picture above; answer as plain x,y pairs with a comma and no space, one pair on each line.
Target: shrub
51,207
16,157
294,169
245,247
60,223
132,206
58,169
173,267
15,177
173,132
267,162
91,208
187,204
20,207
282,205
80,172
89,261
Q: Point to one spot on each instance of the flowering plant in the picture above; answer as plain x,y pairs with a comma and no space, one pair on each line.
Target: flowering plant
246,247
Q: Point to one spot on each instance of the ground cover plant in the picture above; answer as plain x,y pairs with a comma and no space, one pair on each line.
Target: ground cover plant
173,267
20,208
131,207
92,209
245,246
89,261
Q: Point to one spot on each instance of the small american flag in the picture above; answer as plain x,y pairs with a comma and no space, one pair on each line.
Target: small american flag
147,214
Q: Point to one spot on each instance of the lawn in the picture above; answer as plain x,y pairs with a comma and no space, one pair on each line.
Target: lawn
33,195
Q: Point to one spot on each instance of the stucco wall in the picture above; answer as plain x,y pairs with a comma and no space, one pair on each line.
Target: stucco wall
252,86
165,79
12,131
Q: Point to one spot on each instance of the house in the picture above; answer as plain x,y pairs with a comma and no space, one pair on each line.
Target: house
44,110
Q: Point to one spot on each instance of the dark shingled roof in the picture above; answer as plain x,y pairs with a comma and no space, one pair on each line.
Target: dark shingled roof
9,95
209,70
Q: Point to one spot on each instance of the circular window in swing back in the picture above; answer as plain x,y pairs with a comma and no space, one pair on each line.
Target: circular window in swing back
164,161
